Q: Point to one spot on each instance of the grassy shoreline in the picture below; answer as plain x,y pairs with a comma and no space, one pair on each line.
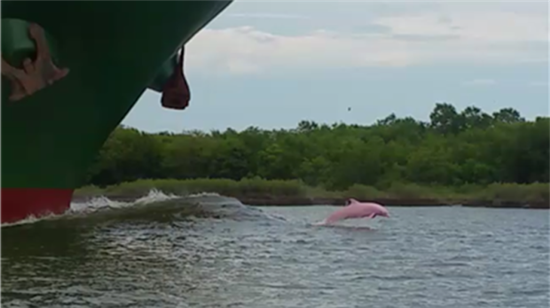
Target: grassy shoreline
293,192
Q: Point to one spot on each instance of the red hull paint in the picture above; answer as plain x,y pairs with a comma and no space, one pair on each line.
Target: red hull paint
20,203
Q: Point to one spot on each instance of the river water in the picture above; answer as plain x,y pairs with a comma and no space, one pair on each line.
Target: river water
211,251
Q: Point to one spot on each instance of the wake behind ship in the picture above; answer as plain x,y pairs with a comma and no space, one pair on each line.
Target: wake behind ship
71,71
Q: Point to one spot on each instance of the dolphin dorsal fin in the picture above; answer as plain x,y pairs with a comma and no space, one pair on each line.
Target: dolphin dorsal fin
351,200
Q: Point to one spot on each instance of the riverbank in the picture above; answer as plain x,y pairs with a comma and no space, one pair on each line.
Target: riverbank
285,193
303,201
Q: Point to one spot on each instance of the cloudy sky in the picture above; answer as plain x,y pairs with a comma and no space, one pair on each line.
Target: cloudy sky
273,63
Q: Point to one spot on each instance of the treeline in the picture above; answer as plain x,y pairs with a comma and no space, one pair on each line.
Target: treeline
454,148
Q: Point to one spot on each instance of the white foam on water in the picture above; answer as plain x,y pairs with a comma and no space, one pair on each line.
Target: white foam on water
30,219
155,195
205,194
103,203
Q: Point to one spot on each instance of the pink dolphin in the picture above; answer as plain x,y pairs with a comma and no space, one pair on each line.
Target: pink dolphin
356,209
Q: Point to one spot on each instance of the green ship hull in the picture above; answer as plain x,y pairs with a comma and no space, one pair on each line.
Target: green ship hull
57,114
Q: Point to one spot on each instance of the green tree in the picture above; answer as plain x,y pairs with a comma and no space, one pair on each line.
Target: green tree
453,148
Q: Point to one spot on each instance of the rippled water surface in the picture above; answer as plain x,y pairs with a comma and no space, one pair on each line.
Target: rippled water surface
229,255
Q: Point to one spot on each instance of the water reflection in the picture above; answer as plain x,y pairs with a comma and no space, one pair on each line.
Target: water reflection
228,256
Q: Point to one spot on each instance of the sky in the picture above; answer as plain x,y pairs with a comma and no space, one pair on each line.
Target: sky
271,64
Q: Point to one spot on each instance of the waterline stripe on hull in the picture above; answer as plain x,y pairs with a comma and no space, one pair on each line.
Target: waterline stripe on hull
20,203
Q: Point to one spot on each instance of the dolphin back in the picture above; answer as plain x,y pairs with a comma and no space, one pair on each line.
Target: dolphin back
351,201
